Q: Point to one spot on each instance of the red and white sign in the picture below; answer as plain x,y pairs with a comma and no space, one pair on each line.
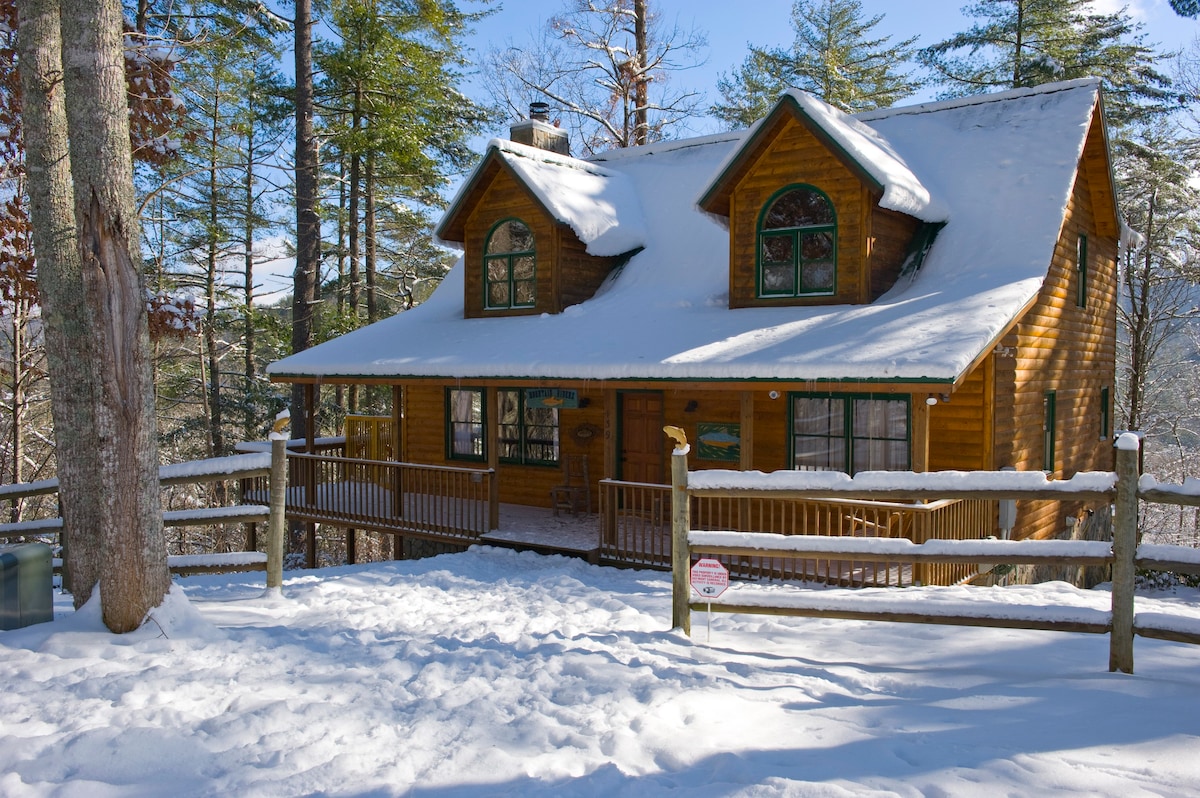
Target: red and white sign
709,578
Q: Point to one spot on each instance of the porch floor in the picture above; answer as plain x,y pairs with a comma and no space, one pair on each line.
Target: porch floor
539,529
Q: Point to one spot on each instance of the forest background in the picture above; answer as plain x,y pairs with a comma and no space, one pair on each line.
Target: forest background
404,95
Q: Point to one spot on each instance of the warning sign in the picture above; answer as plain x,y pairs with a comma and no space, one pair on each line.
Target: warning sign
709,578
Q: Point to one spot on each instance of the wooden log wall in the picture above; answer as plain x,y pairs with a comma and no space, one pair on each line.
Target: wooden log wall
795,155
1061,347
506,197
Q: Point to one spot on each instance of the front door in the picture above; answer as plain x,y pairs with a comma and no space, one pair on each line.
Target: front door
642,436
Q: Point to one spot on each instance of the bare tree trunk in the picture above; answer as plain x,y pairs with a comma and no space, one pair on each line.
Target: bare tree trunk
371,245
641,90
133,563
250,422
69,345
308,225
216,438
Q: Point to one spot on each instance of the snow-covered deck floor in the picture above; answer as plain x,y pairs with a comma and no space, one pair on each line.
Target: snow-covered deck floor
540,528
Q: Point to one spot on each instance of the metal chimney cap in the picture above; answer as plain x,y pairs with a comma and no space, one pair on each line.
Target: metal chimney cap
539,111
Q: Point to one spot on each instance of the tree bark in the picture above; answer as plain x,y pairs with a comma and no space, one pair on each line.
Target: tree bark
65,314
308,225
133,563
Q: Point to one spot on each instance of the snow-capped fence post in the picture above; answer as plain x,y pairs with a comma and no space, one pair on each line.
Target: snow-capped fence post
681,521
1124,548
276,525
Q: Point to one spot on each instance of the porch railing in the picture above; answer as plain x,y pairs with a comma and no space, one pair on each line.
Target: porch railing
369,437
636,530
434,502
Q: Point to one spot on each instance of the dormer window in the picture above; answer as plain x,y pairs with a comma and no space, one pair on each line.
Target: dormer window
509,266
797,244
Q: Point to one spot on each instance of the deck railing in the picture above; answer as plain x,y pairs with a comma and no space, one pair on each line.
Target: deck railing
636,530
435,502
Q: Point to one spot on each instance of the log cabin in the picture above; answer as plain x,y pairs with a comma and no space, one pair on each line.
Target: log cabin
929,287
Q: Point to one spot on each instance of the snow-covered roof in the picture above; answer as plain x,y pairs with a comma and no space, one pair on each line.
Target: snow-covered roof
871,152
600,205
1001,165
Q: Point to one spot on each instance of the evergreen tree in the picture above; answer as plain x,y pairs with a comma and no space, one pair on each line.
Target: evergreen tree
1018,43
396,125
1155,166
833,56
1186,8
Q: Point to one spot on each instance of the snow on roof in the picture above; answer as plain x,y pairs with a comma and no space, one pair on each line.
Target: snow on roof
903,191
600,205
1003,164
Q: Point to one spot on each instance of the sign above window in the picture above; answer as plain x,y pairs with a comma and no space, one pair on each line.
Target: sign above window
558,398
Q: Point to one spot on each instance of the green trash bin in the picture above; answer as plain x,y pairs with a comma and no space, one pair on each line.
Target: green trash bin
26,586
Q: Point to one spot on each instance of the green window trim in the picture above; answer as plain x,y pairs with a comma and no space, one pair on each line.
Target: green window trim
1105,413
509,266
466,424
850,432
1081,272
796,257
528,435
1049,423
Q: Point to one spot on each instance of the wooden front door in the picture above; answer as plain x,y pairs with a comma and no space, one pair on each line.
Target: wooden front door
642,437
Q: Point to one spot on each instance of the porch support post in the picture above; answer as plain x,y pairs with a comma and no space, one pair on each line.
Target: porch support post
398,453
747,431
1125,520
310,421
681,521
277,523
610,434
492,400
920,433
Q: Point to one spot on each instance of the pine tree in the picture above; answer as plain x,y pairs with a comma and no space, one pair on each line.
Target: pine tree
1019,43
1155,168
397,127
833,57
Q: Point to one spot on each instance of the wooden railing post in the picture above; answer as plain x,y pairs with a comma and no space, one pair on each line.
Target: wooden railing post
1125,519
276,525
680,523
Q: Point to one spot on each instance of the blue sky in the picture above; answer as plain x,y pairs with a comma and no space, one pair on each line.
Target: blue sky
730,25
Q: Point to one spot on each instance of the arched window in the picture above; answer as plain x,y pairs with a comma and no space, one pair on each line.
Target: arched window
797,244
509,266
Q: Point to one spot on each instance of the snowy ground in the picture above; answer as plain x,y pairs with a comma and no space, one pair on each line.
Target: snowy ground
498,673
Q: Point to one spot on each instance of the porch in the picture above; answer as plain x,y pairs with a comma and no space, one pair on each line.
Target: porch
458,507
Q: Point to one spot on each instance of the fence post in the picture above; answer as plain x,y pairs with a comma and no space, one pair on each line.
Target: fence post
681,521
276,524
1120,654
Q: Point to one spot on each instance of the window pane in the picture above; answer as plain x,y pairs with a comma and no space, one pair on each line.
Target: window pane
522,268
466,423
880,455
779,279
511,236
817,416
818,433
541,434
777,249
526,292
816,246
498,295
817,277
799,207
497,270
880,433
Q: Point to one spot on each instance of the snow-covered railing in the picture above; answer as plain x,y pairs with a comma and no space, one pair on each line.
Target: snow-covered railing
238,467
1120,488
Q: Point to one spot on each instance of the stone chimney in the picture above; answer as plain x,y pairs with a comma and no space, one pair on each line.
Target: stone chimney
536,131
